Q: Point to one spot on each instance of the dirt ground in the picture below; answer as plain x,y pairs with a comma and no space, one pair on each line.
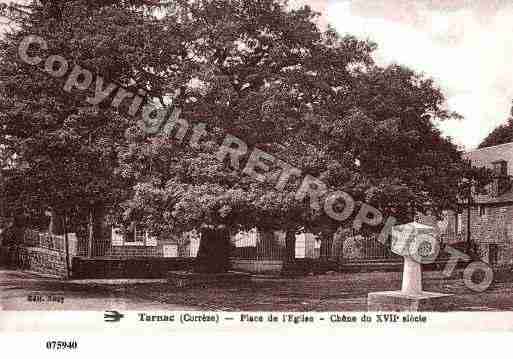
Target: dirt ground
330,292
335,292
29,291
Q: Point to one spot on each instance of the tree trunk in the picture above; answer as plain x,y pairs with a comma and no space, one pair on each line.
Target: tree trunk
97,246
90,235
290,252
290,246
326,250
267,246
214,251
56,224
341,238
18,230
326,245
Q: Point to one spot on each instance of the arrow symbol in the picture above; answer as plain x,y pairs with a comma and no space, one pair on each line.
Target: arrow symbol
113,316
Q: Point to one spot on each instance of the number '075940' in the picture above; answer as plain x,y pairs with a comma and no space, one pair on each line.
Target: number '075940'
61,345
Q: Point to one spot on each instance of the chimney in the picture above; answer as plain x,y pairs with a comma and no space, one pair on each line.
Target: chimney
501,183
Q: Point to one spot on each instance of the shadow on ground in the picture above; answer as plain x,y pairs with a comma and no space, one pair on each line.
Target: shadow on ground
331,292
336,292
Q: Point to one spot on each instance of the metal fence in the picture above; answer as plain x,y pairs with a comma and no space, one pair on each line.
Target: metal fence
119,246
37,239
97,248
366,248
375,250
244,245
250,245
257,246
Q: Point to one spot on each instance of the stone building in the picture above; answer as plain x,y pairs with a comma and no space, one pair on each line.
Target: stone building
491,214
136,242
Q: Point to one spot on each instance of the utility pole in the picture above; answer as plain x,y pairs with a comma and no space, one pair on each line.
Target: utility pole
66,244
469,212
469,184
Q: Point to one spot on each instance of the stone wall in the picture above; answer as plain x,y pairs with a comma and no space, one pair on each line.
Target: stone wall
44,261
41,260
136,251
490,226
256,265
137,267
4,255
42,253
119,246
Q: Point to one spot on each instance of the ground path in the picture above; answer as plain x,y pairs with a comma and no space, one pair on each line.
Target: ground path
16,287
330,292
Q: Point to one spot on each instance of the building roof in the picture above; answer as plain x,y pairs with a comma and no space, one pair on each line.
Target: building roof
413,226
485,157
505,198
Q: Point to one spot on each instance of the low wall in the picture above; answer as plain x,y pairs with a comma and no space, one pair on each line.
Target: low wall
136,251
41,260
44,261
159,267
41,253
125,268
4,256
257,266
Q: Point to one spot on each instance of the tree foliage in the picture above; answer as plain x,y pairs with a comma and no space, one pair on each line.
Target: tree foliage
257,70
501,135
62,151
331,112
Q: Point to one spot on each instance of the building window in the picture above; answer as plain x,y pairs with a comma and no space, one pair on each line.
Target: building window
493,254
500,168
459,223
130,234
134,235
483,211
140,236
170,251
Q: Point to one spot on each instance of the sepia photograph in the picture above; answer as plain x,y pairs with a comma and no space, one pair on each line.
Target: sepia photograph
256,162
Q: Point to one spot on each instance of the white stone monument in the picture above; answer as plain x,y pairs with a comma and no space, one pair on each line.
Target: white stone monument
403,238
417,244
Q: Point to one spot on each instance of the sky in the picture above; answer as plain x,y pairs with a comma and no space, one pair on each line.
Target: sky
465,45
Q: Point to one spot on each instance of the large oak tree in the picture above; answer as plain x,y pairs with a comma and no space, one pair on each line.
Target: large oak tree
257,70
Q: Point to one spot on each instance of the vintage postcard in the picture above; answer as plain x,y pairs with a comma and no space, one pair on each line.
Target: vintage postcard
202,165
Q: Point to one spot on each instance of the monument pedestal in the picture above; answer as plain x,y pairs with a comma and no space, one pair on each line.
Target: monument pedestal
411,298
183,279
397,301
